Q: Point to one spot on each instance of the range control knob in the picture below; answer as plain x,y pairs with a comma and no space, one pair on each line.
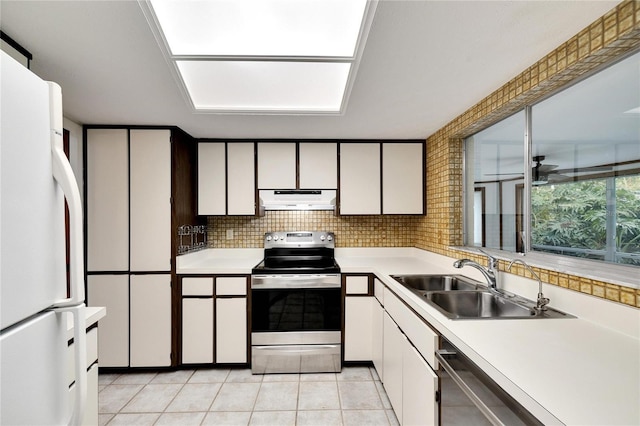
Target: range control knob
268,238
275,238
329,237
322,237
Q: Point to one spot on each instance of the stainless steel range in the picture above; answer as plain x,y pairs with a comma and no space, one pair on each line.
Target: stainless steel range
296,305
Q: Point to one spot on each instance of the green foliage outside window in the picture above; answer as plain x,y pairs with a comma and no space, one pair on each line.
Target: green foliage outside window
574,215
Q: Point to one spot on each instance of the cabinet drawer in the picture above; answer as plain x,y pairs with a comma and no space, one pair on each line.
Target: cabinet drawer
231,286
419,333
357,285
192,286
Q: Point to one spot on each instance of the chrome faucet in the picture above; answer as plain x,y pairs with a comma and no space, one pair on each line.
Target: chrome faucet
542,302
490,272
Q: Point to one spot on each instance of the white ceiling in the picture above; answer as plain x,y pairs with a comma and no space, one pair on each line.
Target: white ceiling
425,63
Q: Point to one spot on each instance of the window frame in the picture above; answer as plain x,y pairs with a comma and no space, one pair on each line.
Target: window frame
614,273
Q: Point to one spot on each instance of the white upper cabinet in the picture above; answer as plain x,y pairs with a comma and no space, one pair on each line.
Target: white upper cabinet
402,178
359,178
212,183
241,187
107,200
318,165
226,178
276,165
150,186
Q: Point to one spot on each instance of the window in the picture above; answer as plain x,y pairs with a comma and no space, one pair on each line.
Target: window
581,197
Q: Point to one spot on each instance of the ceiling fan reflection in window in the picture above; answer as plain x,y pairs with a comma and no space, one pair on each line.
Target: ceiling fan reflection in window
542,174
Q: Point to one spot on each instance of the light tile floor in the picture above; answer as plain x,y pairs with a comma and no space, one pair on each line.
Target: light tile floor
236,397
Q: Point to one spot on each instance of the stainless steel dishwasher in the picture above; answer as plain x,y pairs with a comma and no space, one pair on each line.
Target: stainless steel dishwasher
469,397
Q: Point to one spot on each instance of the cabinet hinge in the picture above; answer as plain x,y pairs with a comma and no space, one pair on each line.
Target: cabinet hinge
438,396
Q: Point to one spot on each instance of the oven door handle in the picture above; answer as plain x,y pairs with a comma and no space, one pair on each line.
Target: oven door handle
269,282
477,401
292,350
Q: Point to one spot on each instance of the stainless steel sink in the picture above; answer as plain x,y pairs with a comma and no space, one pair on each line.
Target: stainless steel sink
459,297
486,305
426,283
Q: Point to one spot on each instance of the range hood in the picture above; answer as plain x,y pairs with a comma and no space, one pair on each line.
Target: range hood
297,199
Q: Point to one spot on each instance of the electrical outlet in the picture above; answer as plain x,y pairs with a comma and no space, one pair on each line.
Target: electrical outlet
229,234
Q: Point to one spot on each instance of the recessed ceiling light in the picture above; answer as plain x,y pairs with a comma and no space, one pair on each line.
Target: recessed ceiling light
253,86
263,56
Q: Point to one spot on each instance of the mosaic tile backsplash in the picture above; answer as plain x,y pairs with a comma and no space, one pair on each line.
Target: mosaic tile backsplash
351,231
609,37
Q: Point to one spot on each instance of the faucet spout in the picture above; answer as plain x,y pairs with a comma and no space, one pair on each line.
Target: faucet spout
489,273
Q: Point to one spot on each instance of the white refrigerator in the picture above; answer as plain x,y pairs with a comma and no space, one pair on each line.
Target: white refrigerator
35,180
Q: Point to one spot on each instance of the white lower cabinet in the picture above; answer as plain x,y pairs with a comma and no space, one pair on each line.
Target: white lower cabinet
358,333
407,353
197,330
150,321
419,384
377,337
231,330
394,341
112,292
214,320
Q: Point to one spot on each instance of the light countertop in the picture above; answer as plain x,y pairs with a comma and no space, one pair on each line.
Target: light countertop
92,315
577,371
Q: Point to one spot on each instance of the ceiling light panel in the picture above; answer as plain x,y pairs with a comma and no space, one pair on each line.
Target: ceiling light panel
306,28
265,85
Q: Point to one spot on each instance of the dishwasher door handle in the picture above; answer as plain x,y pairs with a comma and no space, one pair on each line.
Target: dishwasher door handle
484,409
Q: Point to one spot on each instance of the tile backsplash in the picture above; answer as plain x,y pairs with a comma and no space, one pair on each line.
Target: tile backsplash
351,231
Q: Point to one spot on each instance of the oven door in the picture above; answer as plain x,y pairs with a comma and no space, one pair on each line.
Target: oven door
295,323
295,303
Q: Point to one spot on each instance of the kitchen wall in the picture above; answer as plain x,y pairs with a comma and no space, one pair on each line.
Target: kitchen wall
440,230
606,39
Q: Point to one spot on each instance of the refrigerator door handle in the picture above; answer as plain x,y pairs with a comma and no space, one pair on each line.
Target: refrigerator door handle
63,174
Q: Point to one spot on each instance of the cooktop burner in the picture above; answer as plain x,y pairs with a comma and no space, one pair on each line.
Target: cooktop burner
298,253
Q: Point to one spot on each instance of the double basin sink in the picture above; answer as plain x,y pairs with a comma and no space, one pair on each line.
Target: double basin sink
459,297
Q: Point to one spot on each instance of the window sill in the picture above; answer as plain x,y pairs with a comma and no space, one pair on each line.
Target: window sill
627,276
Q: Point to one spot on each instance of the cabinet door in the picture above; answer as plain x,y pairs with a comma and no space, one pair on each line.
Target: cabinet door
423,337
359,178
150,320
394,342
402,178
358,332
276,165
231,330
212,180
377,336
107,200
318,165
112,292
150,185
197,330
419,385
241,187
